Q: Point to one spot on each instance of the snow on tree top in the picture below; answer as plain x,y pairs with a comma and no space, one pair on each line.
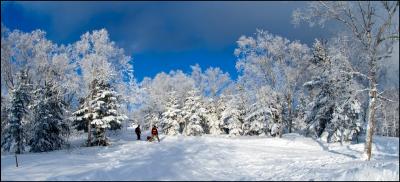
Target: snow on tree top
107,93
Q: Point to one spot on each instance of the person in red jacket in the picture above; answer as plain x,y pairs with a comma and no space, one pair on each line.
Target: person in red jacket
154,133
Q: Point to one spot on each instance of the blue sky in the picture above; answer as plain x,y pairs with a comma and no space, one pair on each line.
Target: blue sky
161,36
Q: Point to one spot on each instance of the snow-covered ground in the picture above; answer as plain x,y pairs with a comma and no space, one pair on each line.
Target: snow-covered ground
292,157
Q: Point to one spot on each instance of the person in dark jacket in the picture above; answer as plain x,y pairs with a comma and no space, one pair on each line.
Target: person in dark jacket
154,133
137,131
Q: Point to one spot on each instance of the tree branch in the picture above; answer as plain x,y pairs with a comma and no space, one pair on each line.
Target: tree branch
390,37
356,73
387,22
367,89
385,99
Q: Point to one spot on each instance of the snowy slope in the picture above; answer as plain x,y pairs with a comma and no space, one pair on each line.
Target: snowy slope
210,158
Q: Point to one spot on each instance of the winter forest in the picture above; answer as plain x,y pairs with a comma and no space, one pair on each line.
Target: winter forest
334,91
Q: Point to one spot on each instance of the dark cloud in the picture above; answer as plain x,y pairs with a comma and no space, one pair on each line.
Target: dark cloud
169,26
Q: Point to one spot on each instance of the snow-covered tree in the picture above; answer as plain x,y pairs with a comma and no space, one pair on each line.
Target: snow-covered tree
172,117
255,123
106,114
131,96
210,83
215,81
49,125
193,114
151,117
98,58
4,114
21,51
101,62
150,109
193,127
222,105
234,113
198,77
62,71
323,104
232,117
79,121
335,92
346,122
268,59
299,123
101,109
260,115
374,27
388,115
13,139
275,124
212,117
155,94
7,68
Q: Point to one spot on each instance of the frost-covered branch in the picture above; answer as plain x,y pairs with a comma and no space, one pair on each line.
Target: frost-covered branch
385,99
362,90
356,73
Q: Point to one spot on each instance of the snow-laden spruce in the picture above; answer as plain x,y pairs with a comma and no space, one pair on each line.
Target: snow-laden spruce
194,114
101,110
49,127
212,117
233,117
13,139
172,118
256,122
334,113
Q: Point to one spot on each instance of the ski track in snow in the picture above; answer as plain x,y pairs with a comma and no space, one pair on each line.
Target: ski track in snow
292,157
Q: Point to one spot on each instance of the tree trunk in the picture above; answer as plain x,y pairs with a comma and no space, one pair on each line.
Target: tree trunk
16,160
371,113
394,124
89,134
289,101
89,142
341,136
386,123
280,126
104,138
19,139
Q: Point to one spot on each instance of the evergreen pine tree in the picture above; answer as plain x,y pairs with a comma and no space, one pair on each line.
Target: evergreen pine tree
330,110
213,119
49,127
193,114
171,117
232,116
256,121
101,112
4,115
300,115
105,114
13,140
79,121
